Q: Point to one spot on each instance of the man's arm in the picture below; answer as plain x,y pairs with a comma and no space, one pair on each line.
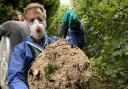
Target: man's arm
64,24
71,25
17,73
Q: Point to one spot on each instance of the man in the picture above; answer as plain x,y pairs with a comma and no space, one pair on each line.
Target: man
16,16
12,33
24,53
71,25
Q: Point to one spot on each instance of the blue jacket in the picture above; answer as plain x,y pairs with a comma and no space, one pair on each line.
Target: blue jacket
22,57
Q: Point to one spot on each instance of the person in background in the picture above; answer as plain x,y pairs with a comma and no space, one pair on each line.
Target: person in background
24,53
16,15
71,24
11,33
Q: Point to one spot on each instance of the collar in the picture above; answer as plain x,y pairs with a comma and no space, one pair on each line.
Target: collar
31,42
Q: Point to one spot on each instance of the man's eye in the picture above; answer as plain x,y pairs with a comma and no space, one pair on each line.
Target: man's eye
32,20
18,19
40,19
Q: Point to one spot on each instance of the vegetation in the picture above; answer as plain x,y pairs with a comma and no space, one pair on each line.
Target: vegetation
49,70
6,7
106,30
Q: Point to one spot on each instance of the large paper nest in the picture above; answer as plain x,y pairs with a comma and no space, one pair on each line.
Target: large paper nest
60,66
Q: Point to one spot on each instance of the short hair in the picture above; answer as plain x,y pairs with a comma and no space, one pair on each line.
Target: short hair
15,13
35,5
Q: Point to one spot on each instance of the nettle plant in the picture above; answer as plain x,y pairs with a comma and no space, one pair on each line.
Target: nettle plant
106,29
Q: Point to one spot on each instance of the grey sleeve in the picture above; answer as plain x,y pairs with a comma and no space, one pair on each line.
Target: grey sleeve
4,29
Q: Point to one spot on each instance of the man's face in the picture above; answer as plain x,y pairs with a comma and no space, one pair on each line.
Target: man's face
17,17
35,13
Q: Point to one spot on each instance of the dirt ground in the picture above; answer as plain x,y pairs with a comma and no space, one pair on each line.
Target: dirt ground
60,66
95,83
